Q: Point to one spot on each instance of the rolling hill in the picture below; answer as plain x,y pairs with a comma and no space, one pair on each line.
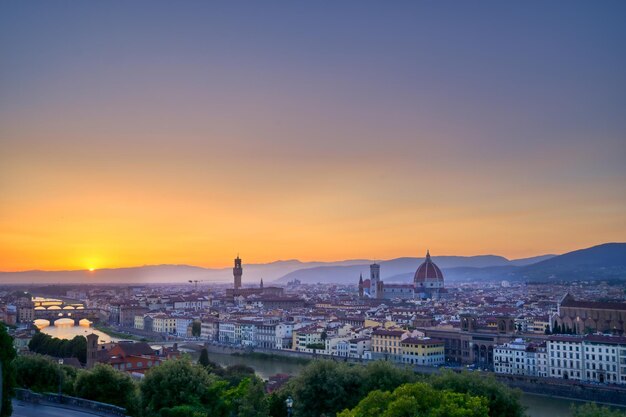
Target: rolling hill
607,261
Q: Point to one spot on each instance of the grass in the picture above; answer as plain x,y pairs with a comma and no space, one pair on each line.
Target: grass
120,335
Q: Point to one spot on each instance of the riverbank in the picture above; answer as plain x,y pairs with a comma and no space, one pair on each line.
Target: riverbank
119,335
272,357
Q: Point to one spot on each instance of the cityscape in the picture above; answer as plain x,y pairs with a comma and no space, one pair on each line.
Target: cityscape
283,209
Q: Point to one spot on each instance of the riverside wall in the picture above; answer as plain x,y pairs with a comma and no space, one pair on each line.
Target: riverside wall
608,394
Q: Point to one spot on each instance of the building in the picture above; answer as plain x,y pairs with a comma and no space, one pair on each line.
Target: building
565,355
227,332
605,359
26,313
423,351
520,358
386,343
308,339
594,358
428,283
590,316
428,280
284,336
471,344
266,334
246,332
182,325
128,312
163,323
209,329
237,273
239,291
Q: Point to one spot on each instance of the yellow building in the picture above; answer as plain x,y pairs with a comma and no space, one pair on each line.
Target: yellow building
423,351
380,323
540,324
386,344
162,323
307,336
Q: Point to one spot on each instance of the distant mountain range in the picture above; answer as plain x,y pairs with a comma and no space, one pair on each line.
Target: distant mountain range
607,261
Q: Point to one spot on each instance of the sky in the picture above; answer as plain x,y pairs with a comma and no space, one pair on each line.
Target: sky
160,132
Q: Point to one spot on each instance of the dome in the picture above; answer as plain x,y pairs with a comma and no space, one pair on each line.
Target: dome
428,271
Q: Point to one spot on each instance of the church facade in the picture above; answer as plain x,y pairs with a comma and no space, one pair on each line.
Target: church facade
428,283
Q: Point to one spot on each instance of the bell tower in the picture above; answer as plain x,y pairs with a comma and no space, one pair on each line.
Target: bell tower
361,286
375,287
92,350
237,273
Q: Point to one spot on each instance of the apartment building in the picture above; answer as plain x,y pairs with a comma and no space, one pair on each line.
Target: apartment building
423,351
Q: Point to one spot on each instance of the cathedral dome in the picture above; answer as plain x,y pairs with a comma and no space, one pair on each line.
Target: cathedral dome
427,271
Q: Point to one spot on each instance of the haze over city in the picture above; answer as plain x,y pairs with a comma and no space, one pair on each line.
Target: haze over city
313,209
185,133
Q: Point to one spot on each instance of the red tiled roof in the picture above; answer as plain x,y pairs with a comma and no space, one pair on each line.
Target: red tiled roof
419,341
594,304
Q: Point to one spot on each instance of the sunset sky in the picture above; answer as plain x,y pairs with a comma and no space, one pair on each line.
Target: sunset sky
151,132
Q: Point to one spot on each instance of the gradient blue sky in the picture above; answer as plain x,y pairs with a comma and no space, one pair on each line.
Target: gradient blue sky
183,132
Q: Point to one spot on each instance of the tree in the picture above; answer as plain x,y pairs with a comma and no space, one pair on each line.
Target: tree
105,384
503,401
204,358
178,382
276,403
547,330
37,373
196,328
325,387
418,399
234,374
385,376
593,410
60,348
7,371
250,400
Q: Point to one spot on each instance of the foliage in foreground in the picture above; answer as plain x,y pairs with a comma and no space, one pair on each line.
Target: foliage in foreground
180,388
418,400
42,374
7,354
593,410
503,401
326,387
105,384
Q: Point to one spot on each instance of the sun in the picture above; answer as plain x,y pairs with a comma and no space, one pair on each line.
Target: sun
92,269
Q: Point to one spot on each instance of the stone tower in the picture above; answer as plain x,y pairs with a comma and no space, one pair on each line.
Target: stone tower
361,286
92,350
375,286
468,322
237,273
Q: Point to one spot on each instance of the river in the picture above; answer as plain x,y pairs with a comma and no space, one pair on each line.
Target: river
66,329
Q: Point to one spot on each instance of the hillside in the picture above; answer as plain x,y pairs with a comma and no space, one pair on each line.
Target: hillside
397,270
606,261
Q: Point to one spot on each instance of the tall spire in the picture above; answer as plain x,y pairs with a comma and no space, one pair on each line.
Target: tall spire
237,273
427,253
